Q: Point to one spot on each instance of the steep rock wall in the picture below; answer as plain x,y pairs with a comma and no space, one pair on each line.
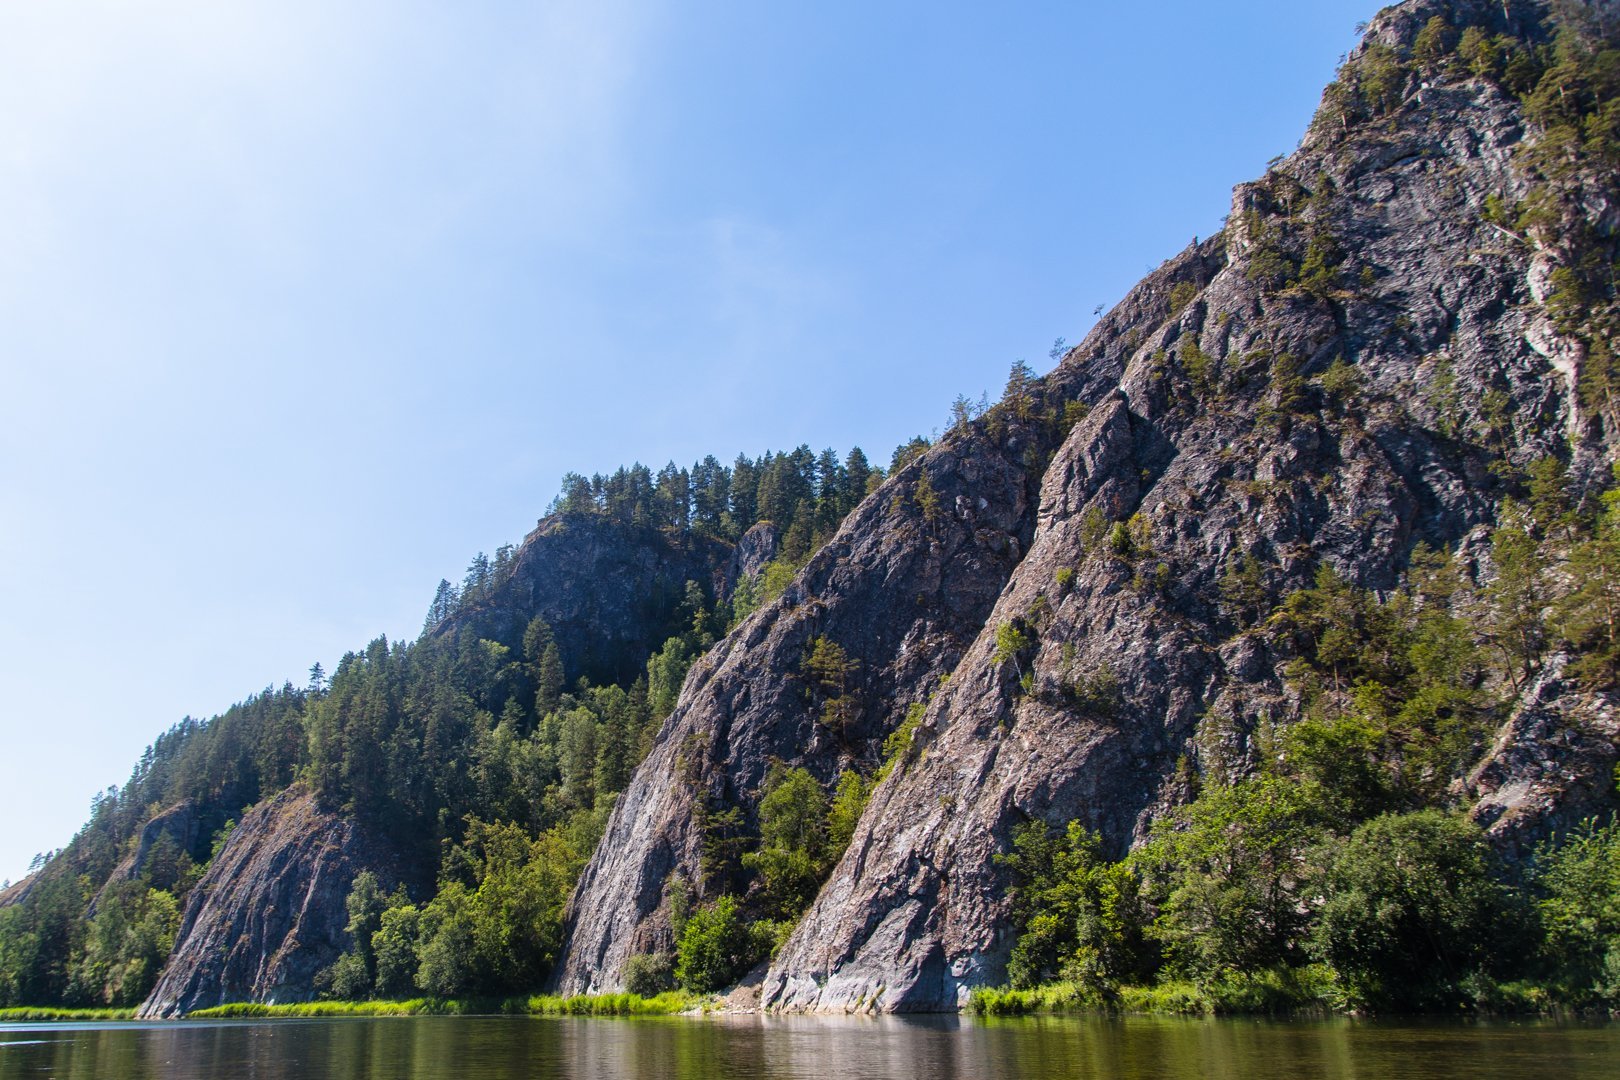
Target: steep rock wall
269,913
610,591
915,914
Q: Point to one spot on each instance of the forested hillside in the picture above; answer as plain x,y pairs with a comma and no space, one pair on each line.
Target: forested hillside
488,748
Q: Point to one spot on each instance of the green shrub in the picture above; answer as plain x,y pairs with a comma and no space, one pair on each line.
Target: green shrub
1409,909
715,949
648,974
1580,911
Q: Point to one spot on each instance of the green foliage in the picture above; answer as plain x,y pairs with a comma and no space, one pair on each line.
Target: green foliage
1289,395
1202,370
1013,641
649,974
1079,915
1398,679
126,944
926,498
832,674
772,582
1181,295
1579,909
1588,615
897,746
1318,271
1096,693
796,489
848,803
1380,78
715,948
1119,541
1094,529
1410,909
907,452
1270,265
496,924
1516,595
663,1004
792,857
1341,382
395,945
1434,44
1223,875
1243,589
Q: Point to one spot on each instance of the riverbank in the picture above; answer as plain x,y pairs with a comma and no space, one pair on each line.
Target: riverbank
47,1015
667,1004
1306,993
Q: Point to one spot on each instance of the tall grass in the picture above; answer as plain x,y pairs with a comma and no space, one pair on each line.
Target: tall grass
577,1005
34,1016
1280,992
664,1004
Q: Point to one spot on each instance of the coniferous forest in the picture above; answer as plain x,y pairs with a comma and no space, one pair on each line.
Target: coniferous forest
485,759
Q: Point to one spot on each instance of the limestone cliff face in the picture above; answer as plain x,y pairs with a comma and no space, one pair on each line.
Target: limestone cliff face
1211,428
269,913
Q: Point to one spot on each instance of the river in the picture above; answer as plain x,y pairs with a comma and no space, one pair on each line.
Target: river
706,1048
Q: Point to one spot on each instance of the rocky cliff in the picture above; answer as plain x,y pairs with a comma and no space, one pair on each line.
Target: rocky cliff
269,913
903,588
610,590
1071,600
1353,367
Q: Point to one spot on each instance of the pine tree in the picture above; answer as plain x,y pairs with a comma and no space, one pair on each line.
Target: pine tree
927,499
1589,617
1019,394
1515,597
545,665
857,477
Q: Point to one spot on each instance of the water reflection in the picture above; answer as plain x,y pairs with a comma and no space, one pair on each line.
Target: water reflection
778,1048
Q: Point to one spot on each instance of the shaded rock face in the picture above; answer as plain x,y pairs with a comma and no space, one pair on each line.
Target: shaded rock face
1210,427
269,913
181,824
756,548
610,591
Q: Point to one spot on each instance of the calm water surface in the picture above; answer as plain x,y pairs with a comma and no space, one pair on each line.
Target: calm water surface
502,1048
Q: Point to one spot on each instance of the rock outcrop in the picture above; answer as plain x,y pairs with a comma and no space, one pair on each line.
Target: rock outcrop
1552,765
269,914
901,595
1236,410
610,591
180,826
902,588
18,891
1194,447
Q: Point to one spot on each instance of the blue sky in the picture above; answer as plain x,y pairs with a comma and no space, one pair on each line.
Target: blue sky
302,304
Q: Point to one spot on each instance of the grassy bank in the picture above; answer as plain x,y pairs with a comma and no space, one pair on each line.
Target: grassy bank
1298,993
34,1016
1288,992
576,1005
